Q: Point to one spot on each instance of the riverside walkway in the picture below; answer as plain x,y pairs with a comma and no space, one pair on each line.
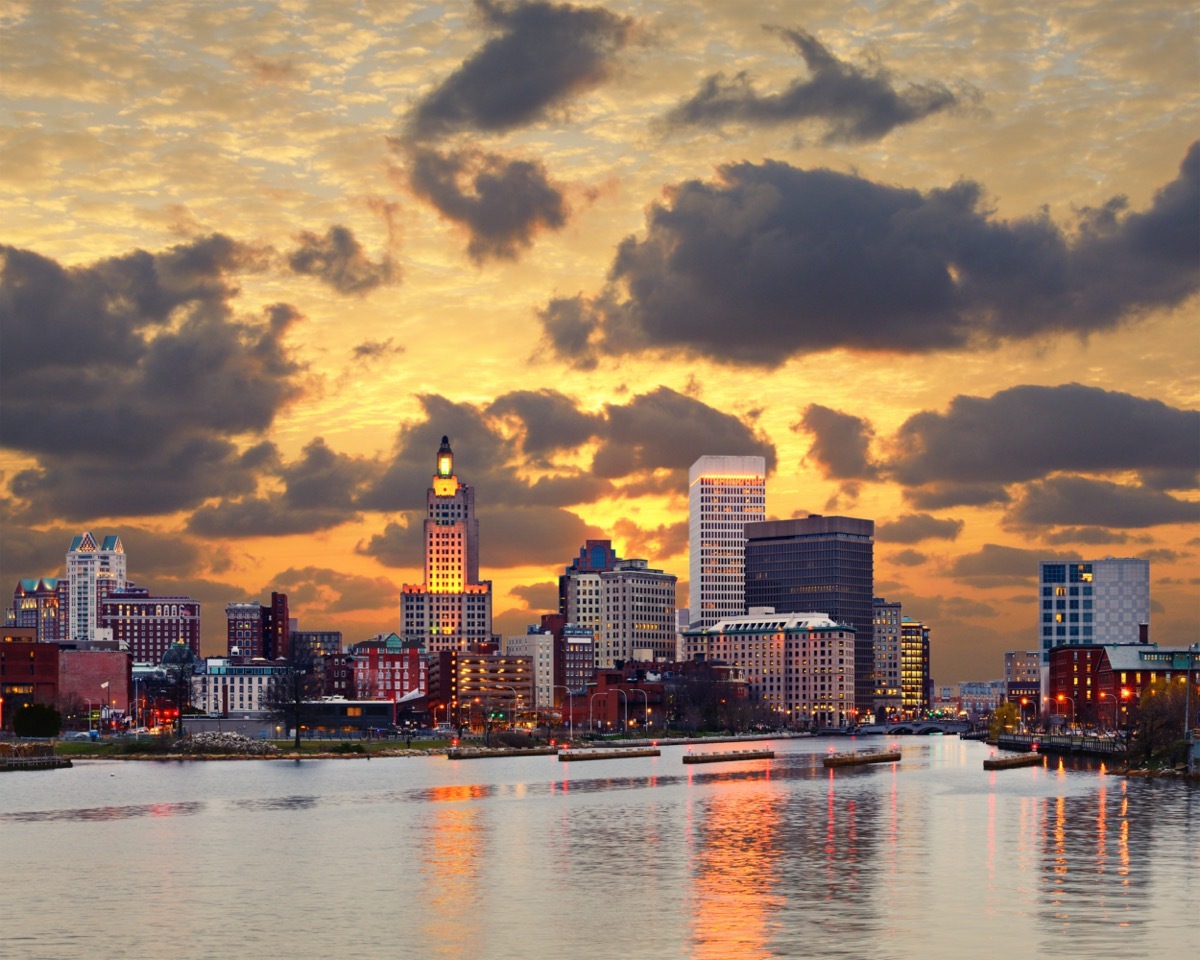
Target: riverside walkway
1087,746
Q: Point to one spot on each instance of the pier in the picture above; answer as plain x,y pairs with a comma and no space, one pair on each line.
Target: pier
855,759
608,754
728,755
1019,760
476,753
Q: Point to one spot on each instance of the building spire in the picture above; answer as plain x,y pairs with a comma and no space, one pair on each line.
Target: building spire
445,459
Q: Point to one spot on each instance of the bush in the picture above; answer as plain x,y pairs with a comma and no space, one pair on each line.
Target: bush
37,720
348,748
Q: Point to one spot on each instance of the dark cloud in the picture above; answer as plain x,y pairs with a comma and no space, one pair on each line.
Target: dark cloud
531,536
543,53
666,430
841,442
503,203
996,565
319,491
771,262
1031,431
1084,535
655,433
339,260
549,421
908,558
324,591
938,496
130,379
397,546
371,350
915,527
539,596
1072,501
855,104
654,544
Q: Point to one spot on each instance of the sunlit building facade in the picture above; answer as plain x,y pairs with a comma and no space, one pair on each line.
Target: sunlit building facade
916,684
801,665
724,494
452,609
37,604
94,570
886,636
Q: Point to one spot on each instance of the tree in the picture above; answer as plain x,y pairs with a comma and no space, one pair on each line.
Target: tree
179,663
1005,719
37,720
1158,734
289,693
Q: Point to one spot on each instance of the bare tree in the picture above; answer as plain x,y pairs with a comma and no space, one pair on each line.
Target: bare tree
289,694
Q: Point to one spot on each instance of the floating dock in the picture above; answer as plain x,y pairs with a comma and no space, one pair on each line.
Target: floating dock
856,759
1017,760
476,753
33,763
728,755
608,754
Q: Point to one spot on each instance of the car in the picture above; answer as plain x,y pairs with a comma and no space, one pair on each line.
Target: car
81,735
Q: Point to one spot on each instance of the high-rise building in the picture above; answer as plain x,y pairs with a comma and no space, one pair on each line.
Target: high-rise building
916,684
797,664
628,606
1092,602
452,609
724,494
886,618
37,603
256,631
315,644
94,570
147,626
822,565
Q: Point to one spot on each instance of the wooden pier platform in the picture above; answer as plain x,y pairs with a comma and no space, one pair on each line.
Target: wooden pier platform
1015,760
726,755
608,754
856,759
476,753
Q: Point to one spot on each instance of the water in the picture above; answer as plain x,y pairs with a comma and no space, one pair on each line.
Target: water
636,858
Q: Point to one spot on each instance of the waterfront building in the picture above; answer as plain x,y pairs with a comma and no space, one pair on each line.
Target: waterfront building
540,648
632,699
800,665
315,644
886,637
1022,680
37,604
916,685
94,570
100,680
724,494
225,685
28,672
452,609
387,668
464,684
1089,602
147,626
824,565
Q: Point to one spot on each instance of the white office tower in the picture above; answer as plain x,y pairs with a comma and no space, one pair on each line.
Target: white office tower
94,570
452,609
724,494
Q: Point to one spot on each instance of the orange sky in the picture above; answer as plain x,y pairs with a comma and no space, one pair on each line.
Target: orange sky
936,261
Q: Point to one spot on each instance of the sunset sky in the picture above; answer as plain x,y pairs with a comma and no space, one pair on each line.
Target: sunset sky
937,262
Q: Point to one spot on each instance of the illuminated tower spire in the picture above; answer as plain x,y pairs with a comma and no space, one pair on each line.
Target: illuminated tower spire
445,459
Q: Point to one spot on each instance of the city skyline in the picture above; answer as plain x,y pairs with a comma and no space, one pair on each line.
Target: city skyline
936,265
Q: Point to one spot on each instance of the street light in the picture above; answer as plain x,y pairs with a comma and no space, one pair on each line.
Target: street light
592,703
1061,697
516,696
1024,703
571,715
646,697
625,728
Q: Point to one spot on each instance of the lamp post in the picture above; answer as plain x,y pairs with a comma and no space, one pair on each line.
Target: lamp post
1061,697
646,697
571,715
625,729
1024,703
592,703
516,697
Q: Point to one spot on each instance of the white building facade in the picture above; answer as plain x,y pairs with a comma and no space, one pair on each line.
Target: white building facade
724,494
801,665
94,570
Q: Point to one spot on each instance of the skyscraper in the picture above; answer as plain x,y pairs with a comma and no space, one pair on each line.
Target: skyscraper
819,565
1091,602
452,608
94,570
724,494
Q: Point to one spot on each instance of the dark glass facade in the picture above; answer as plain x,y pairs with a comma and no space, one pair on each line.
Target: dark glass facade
819,565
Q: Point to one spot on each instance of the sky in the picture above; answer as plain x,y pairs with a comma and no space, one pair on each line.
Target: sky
937,262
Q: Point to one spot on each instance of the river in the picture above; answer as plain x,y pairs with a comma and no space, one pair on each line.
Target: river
532,858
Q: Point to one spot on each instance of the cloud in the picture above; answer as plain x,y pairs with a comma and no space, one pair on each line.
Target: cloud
1071,501
371,350
130,379
1085,535
653,544
998,565
915,527
502,203
543,54
319,492
399,545
548,420
539,596
856,104
338,259
908,558
1031,431
938,496
812,260
841,444
321,590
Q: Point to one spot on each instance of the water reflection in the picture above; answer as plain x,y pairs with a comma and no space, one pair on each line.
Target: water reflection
123,812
